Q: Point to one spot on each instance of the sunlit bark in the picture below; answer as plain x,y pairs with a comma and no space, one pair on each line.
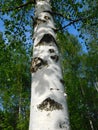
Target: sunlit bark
48,101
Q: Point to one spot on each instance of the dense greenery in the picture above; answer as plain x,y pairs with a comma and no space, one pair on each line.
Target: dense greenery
80,69
80,72
14,85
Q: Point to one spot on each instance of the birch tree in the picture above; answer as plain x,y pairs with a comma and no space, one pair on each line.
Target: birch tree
48,101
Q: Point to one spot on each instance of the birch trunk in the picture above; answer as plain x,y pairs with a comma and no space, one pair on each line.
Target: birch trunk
48,110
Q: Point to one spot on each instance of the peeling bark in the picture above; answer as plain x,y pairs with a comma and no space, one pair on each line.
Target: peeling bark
48,109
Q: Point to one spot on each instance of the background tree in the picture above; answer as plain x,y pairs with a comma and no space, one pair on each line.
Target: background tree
81,87
14,85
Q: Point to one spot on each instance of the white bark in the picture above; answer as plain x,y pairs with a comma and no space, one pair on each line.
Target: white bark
48,102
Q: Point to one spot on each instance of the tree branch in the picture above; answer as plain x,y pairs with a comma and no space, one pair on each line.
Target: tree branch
20,6
74,21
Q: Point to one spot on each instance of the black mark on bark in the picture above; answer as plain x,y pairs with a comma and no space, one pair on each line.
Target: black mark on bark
55,58
48,11
49,105
55,89
40,44
37,21
62,124
37,63
34,23
51,89
62,81
47,17
40,21
48,38
51,50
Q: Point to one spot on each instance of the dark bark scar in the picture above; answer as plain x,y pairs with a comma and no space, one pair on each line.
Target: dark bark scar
38,63
50,105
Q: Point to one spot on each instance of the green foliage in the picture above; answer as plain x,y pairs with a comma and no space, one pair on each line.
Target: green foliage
80,75
81,14
14,85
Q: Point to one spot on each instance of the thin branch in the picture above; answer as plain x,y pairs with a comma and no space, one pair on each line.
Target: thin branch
70,23
74,21
20,6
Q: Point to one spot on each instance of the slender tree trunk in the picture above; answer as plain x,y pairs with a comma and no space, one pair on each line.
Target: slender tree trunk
48,103
91,124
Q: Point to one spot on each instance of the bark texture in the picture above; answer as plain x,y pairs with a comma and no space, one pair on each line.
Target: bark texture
48,105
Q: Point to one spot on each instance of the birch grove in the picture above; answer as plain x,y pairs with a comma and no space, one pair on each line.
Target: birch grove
48,110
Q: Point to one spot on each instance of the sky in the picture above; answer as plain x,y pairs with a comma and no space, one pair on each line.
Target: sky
1,26
73,31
